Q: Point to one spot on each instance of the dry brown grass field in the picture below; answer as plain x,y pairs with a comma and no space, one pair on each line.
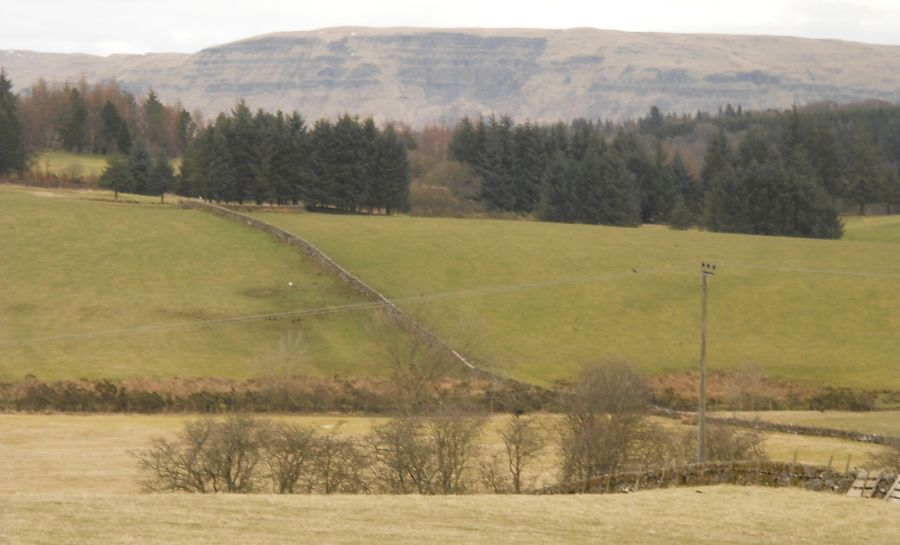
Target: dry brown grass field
72,479
716,515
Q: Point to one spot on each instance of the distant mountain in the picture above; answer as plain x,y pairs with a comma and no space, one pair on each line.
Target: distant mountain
427,75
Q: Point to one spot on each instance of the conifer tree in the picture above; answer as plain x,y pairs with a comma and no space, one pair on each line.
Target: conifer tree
140,164
495,164
73,131
160,179
12,152
117,176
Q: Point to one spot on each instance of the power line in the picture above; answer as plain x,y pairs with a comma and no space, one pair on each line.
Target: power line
319,311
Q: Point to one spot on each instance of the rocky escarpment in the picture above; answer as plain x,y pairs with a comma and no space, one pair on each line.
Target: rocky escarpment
431,75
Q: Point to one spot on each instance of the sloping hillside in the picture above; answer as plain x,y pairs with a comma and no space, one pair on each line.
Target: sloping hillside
537,300
426,75
94,289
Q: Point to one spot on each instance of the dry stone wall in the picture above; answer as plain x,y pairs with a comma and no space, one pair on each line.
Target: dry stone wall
340,272
774,474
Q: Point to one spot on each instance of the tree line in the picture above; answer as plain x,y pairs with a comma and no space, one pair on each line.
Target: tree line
101,118
349,164
787,175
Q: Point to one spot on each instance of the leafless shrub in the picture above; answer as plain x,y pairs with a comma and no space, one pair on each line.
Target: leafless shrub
179,465
339,465
289,453
207,456
403,455
418,365
727,443
657,447
602,412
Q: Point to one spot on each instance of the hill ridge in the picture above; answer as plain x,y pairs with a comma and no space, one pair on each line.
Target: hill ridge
424,75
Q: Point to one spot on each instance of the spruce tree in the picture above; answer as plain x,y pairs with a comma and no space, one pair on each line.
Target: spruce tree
111,129
322,164
140,164
529,161
495,165
73,132
394,168
12,152
160,179
117,176
558,201
349,164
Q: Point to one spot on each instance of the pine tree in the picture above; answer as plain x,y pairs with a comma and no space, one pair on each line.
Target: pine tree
394,168
322,139
495,164
73,132
117,176
300,178
867,169
12,152
140,164
558,195
716,162
156,130
349,166
161,178
240,134
680,217
112,130
529,162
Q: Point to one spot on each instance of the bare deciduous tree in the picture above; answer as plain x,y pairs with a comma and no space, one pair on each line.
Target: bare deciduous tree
339,465
207,456
289,452
523,441
179,465
602,412
404,460
454,440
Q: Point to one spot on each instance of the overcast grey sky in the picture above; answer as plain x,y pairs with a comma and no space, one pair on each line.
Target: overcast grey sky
138,26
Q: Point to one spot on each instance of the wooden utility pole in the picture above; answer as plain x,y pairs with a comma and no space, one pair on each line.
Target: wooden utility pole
706,270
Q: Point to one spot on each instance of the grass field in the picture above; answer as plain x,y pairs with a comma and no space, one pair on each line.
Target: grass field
880,422
73,165
715,515
88,289
59,454
873,228
72,479
539,299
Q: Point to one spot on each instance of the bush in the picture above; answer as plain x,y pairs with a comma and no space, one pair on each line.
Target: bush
603,411
207,456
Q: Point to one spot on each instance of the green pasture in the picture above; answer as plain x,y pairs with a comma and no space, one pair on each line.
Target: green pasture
872,228
537,300
72,165
90,288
